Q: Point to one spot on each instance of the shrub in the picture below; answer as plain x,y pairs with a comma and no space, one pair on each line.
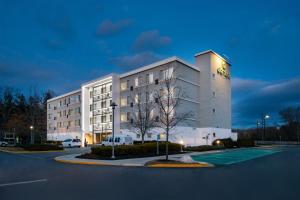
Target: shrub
203,148
245,143
41,147
146,149
226,142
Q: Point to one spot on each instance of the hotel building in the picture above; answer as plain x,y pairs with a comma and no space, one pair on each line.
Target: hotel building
86,113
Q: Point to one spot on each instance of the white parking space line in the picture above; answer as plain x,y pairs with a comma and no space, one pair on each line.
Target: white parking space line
23,182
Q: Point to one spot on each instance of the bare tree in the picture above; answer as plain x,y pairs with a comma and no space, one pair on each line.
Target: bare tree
169,98
142,120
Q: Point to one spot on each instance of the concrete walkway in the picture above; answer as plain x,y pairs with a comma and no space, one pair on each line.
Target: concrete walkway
133,162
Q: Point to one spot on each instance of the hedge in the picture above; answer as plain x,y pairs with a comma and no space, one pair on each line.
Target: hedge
41,147
203,148
145,149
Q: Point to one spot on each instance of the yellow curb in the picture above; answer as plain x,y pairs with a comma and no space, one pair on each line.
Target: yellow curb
82,162
31,151
183,165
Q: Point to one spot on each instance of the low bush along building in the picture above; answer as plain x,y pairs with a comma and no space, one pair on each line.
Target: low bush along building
205,89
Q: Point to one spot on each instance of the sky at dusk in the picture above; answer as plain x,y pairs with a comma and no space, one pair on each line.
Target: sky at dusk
58,45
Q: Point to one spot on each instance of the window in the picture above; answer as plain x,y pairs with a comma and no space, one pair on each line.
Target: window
49,116
124,86
128,116
214,94
65,112
49,106
156,81
214,110
70,112
156,100
213,75
137,98
91,107
91,120
123,117
59,113
136,81
58,124
77,110
77,122
214,134
65,102
166,74
149,135
103,118
79,98
123,101
149,78
110,88
157,118
110,117
131,88
151,115
103,104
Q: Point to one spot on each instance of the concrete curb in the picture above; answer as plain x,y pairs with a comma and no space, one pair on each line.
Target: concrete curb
28,152
71,159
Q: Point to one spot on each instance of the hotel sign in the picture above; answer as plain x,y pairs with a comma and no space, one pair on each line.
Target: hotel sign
223,71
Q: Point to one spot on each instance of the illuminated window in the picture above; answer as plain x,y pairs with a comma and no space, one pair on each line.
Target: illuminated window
123,86
123,117
123,101
136,82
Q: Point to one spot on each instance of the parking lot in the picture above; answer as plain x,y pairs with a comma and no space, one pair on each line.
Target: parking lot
38,176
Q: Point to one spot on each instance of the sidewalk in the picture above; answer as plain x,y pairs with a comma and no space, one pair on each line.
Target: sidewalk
133,162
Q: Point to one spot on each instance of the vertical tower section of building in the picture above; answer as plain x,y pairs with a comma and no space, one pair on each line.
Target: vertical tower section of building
215,91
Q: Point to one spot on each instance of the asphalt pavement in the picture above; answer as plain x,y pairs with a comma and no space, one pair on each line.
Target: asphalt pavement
38,176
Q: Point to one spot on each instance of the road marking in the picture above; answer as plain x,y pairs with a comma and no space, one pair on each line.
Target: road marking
23,182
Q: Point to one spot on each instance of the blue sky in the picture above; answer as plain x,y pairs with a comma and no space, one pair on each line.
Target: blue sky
60,44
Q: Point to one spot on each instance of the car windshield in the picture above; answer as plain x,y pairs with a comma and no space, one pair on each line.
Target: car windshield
68,140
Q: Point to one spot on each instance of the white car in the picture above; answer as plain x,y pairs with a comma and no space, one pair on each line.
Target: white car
119,140
71,143
3,143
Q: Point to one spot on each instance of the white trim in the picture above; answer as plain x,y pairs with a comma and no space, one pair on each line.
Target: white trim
211,51
63,95
102,78
156,64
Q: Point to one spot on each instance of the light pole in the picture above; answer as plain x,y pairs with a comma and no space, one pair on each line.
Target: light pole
181,145
257,126
264,118
31,135
113,105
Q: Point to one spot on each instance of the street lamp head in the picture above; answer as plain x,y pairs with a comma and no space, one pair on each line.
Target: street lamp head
113,105
181,142
267,116
31,127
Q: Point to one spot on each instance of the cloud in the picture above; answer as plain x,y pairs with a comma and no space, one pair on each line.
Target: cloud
136,60
24,73
266,98
109,28
244,87
150,41
59,31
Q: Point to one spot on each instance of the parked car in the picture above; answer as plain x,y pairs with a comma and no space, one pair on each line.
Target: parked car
71,143
119,140
3,143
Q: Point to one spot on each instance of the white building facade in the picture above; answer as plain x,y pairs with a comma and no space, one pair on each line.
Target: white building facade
207,88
